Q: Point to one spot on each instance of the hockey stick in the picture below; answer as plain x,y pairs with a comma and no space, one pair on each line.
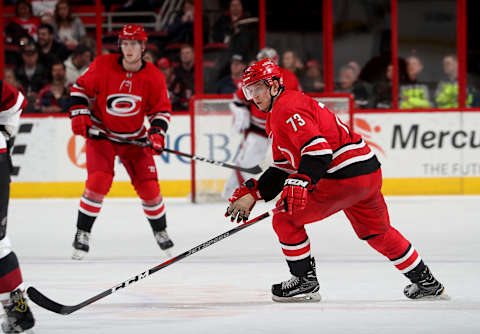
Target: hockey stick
41,300
252,170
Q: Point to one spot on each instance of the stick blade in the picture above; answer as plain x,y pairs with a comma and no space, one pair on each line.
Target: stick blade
41,300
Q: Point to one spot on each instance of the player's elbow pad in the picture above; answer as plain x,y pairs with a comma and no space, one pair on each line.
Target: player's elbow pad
315,166
271,183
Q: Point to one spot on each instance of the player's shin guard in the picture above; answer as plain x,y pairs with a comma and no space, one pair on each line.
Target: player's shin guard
406,259
10,274
155,213
90,205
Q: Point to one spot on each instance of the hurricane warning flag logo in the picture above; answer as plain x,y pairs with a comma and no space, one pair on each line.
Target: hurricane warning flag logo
363,128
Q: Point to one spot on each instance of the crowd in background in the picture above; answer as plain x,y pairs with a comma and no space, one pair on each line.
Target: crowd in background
45,54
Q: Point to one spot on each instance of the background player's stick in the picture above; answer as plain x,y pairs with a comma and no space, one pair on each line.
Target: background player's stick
38,298
252,170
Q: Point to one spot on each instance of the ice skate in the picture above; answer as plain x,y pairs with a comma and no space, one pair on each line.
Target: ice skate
298,289
163,241
427,287
80,244
19,318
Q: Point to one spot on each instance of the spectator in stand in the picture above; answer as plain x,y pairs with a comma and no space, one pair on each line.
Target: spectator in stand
233,81
446,94
290,79
50,49
348,83
180,30
414,94
383,89
10,78
32,75
23,25
77,63
312,80
150,56
291,62
69,28
356,67
224,27
182,85
54,97
164,65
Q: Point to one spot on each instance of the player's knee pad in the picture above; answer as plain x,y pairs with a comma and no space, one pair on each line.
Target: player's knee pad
147,190
5,247
390,243
286,230
99,182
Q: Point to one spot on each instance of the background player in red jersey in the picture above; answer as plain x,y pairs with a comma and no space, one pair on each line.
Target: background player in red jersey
18,315
321,167
123,90
250,121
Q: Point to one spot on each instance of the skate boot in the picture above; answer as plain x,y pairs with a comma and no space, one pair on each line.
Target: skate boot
163,239
80,244
426,287
19,318
298,289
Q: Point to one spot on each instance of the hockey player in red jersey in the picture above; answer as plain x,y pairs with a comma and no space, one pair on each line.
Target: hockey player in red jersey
18,315
250,121
320,167
114,96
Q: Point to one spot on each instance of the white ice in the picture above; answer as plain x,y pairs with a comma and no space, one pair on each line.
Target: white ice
225,288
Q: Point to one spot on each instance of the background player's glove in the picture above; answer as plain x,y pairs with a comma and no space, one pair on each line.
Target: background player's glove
243,200
81,121
295,192
156,135
241,117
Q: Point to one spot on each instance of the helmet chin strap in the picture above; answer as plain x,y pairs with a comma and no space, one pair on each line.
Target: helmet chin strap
272,97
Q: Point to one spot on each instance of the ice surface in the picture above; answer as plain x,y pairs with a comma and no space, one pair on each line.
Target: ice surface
225,288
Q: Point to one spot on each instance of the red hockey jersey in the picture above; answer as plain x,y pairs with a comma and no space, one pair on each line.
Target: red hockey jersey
120,100
258,117
11,104
302,126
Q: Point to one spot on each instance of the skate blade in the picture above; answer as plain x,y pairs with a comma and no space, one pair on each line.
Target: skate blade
167,253
313,297
442,296
78,254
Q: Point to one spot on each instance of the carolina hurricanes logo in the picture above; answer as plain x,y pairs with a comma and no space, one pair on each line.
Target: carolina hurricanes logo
366,131
124,105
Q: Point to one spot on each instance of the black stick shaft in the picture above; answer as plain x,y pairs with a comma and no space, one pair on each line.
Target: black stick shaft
38,298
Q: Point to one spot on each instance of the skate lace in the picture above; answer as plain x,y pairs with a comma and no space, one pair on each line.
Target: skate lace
83,237
290,283
162,236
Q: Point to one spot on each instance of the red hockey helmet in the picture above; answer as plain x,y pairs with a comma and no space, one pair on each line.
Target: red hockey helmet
133,32
265,70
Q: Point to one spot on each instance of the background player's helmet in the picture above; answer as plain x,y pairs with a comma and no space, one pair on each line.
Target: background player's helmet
265,70
268,53
133,32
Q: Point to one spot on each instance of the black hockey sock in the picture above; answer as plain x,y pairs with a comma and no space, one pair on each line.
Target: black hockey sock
158,224
415,274
300,268
85,222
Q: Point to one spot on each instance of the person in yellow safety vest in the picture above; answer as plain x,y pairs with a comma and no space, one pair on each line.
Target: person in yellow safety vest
414,94
446,95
